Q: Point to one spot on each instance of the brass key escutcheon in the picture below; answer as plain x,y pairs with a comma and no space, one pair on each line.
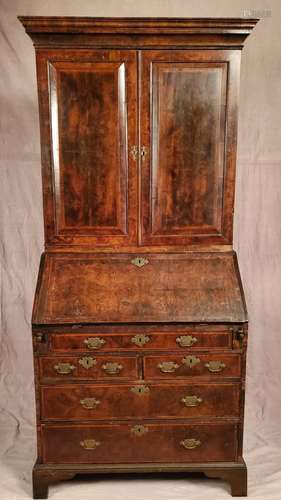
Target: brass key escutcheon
89,444
190,361
215,366
190,444
64,368
191,400
168,366
87,362
140,390
140,340
89,403
94,342
139,430
112,368
186,340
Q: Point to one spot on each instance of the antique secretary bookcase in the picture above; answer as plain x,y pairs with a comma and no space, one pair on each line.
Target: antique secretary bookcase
139,322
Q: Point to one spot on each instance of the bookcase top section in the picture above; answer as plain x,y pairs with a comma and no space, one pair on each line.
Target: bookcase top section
92,288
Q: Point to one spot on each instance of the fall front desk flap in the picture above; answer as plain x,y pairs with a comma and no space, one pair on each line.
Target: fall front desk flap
92,288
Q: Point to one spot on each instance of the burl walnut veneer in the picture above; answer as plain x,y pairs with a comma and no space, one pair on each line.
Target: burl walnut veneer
139,321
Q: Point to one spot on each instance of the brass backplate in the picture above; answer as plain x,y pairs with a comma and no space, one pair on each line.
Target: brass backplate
87,362
190,444
94,342
89,444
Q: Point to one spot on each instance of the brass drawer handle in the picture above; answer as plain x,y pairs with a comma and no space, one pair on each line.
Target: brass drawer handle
190,444
190,361
168,366
140,390
112,368
64,368
186,340
94,342
215,366
87,362
140,340
191,400
89,403
139,430
89,444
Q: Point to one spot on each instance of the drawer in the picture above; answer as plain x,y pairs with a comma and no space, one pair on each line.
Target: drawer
63,342
88,367
190,365
138,443
86,402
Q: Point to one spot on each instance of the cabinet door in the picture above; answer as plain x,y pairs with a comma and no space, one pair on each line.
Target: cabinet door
88,122
188,134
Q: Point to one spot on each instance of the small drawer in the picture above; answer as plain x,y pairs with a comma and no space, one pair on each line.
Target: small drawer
173,400
88,367
64,342
192,365
139,443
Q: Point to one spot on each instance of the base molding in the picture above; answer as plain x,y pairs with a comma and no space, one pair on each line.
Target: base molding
45,474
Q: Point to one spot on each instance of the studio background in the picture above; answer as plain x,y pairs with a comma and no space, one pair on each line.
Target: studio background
257,242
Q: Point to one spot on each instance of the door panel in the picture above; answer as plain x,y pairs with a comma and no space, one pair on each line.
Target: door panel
187,101
92,98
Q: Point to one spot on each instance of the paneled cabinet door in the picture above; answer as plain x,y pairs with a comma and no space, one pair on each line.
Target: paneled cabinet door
188,135
88,101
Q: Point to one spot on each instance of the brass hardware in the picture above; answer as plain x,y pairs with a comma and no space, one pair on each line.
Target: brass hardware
89,403
39,337
191,400
139,261
190,444
143,151
168,366
94,342
89,444
190,361
112,368
140,340
141,390
87,362
239,335
215,366
64,368
134,152
139,430
186,340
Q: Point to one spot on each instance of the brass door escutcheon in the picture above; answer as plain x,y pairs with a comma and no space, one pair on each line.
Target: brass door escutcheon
64,368
190,361
87,362
139,430
139,261
140,339
168,366
89,444
94,342
191,400
112,368
190,444
141,390
186,340
134,152
89,403
215,366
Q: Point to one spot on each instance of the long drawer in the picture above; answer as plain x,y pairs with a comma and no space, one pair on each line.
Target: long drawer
64,342
138,443
86,402
192,365
89,367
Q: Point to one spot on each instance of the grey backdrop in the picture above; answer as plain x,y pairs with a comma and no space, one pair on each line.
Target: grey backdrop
257,241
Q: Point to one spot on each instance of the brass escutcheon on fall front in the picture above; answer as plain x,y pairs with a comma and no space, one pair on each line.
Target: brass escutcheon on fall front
186,340
190,444
89,444
87,362
89,403
112,368
94,342
139,430
140,339
140,390
64,368
168,366
215,366
190,361
191,400
139,261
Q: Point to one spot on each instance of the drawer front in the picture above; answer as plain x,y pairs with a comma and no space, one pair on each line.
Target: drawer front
86,402
136,443
161,340
88,367
190,365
